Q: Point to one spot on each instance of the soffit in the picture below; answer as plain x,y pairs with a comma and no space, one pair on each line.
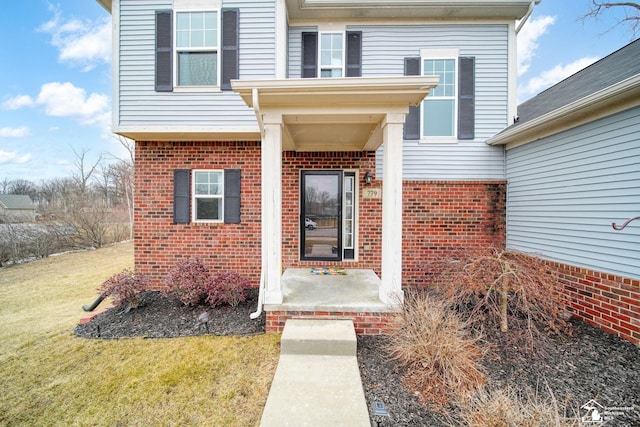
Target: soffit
341,114
303,10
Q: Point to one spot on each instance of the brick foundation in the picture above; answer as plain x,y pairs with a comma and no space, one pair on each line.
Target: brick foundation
606,301
364,323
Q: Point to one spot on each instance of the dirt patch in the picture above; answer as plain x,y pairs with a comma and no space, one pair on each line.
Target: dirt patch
591,364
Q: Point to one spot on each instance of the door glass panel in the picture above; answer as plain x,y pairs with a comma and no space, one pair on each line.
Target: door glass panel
322,205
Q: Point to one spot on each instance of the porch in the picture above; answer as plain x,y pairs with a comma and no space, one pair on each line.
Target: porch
353,295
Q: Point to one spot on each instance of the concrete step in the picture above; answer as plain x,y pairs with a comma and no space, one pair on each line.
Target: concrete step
319,337
317,382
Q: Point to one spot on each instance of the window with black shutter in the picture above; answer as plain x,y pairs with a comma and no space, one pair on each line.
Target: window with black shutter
205,195
206,47
448,112
331,54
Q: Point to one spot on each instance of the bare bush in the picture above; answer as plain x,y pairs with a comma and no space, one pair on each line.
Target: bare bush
125,288
430,341
502,289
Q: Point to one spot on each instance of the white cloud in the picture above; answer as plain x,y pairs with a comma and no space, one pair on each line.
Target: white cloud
80,43
7,132
67,100
18,102
528,40
550,77
12,157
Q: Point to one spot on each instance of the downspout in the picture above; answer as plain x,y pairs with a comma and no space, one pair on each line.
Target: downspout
526,16
256,109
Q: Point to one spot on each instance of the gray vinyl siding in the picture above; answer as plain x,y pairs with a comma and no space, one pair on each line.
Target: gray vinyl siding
383,51
141,105
565,191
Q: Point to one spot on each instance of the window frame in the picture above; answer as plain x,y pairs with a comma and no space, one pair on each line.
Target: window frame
217,50
195,197
435,55
343,59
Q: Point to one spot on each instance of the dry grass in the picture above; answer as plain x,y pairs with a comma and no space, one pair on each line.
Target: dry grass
504,408
429,340
51,377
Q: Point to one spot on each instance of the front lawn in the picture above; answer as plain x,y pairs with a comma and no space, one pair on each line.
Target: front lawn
51,377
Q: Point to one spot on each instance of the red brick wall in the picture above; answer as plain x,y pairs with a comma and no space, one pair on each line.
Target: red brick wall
442,217
159,243
603,300
364,323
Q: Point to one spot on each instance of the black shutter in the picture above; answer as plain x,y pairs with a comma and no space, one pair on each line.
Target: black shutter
230,47
232,196
164,51
309,55
466,98
412,121
354,54
181,196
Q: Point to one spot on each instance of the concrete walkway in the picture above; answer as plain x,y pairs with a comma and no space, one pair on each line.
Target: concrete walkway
317,382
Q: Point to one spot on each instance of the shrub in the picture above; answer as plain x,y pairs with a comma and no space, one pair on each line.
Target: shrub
505,290
429,340
187,281
227,288
125,288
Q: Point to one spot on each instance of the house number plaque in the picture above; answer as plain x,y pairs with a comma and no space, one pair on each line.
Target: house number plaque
372,193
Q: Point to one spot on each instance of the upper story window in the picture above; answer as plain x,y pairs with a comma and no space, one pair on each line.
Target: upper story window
447,114
439,107
197,48
331,54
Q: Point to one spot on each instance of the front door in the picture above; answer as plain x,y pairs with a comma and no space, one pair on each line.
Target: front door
327,215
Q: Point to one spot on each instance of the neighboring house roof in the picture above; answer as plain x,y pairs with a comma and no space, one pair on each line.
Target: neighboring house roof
605,87
14,201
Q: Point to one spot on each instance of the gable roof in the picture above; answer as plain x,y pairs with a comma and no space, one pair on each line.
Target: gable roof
603,88
15,201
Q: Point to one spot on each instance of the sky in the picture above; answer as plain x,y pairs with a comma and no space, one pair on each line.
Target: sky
55,76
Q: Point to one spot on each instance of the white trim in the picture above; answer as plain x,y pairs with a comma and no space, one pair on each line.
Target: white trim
195,196
512,75
343,49
438,55
115,64
217,49
196,5
281,34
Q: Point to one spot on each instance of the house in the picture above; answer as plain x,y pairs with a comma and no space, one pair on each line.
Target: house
573,167
17,207
369,118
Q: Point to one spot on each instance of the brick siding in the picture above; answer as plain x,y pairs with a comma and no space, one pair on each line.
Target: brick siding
606,301
364,323
160,244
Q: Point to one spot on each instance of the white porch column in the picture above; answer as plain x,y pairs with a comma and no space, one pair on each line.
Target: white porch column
391,289
272,207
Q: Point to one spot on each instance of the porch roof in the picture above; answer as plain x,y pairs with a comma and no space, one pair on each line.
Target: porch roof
337,114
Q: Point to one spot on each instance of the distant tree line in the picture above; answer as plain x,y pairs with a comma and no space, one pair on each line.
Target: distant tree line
91,208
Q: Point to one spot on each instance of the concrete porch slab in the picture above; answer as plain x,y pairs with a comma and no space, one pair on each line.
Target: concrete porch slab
357,291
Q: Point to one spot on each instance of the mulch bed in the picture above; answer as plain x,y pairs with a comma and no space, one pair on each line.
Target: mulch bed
590,364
